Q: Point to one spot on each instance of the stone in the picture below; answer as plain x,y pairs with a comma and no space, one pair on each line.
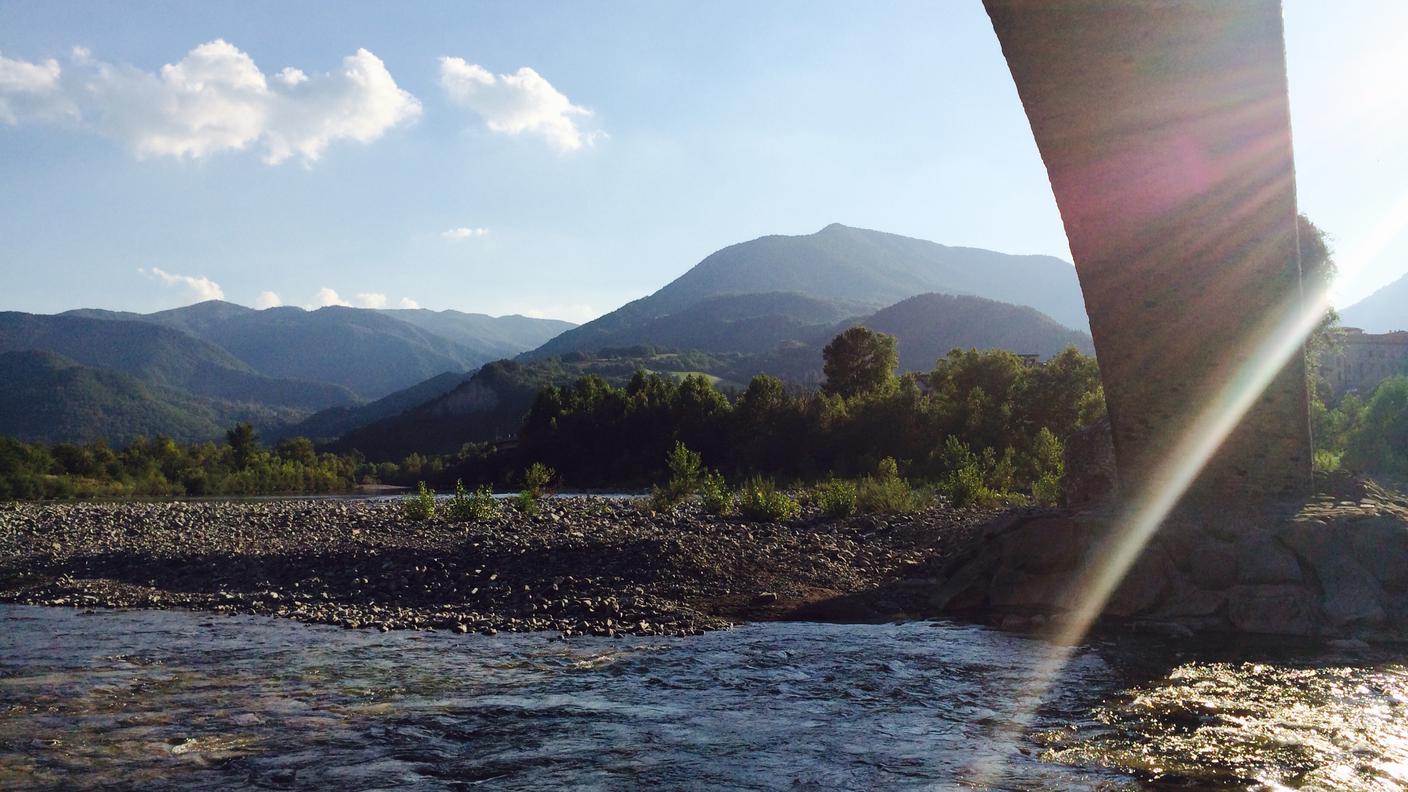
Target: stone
1351,595
1380,545
1272,610
1311,539
1042,544
1212,565
1014,589
966,590
1186,599
1147,580
1261,559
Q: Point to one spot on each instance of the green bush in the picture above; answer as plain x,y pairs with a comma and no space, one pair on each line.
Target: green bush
885,492
419,507
836,498
686,476
760,501
472,507
1048,490
526,502
714,494
535,485
536,479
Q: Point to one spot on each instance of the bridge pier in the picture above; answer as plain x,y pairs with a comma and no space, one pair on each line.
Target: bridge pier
1165,129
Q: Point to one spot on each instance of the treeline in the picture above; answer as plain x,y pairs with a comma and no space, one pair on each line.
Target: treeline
989,414
1364,435
161,467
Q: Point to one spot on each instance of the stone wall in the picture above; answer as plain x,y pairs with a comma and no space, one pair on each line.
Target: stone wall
1335,569
1165,131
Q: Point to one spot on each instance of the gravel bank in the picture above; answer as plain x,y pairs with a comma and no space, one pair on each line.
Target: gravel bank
582,566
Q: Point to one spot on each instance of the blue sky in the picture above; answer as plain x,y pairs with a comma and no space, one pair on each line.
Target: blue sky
645,136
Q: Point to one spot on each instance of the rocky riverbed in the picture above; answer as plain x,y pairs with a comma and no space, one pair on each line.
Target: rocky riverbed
581,566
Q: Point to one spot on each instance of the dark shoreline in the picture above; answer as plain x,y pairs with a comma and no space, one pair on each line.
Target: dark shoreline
584,565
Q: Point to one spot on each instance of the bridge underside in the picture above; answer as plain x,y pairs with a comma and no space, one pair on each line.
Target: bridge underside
1165,129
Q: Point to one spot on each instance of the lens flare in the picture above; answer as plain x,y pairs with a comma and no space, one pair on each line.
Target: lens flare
1279,337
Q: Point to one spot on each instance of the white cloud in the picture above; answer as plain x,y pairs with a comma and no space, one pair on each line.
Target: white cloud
407,302
464,233
267,299
198,289
513,104
214,99
326,297
370,300
32,92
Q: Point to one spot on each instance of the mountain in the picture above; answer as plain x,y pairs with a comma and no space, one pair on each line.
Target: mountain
161,357
491,404
1384,311
47,397
493,336
857,270
728,323
926,327
371,353
335,421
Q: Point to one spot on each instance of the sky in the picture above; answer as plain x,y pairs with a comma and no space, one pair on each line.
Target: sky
561,159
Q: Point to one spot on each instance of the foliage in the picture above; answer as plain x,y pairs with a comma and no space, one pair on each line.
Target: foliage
536,479
885,492
714,494
526,502
836,498
419,507
471,507
686,475
760,501
965,483
160,467
860,361
1048,469
1379,444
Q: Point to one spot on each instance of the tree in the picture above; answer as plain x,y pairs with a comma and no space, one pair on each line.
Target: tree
243,444
1318,270
860,361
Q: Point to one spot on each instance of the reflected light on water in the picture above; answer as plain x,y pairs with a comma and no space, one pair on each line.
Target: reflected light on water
1279,337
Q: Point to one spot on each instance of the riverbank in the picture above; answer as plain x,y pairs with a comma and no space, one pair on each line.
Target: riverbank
582,565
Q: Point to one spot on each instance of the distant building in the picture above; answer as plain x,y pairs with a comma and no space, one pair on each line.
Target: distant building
1363,360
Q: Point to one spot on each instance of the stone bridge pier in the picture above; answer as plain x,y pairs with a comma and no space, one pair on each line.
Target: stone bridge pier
1165,129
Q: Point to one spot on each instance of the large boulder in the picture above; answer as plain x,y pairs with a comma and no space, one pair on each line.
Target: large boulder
1261,559
1272,610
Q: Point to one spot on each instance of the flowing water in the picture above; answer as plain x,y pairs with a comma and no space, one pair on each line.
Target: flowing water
172,700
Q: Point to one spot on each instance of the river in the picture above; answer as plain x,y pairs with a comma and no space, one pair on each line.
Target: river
158,700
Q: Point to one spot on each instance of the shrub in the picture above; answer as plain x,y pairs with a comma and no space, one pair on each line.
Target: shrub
1048,469
837,498
535,485
714,494
1327,461
885,492
536,479
686,475
760,501
1048,490
475,507
419,507
526,502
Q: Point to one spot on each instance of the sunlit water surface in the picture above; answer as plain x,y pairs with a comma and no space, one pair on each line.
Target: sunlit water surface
173,700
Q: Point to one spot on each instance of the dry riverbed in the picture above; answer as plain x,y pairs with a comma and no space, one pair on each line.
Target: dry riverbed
582,566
